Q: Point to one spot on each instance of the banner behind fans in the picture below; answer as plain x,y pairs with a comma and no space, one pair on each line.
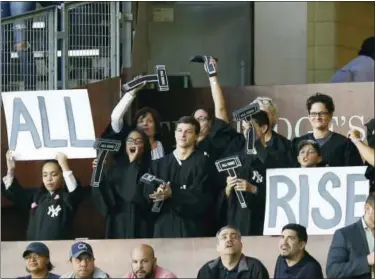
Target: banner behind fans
322,199
354,105
42,123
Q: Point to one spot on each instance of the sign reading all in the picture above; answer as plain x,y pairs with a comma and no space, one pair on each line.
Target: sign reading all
42,123
321,199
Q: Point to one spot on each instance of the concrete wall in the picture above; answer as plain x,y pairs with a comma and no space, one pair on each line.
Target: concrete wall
280,43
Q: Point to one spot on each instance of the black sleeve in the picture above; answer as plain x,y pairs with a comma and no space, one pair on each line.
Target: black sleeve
78,195
21,197
352,156
226,138
195,199
270,158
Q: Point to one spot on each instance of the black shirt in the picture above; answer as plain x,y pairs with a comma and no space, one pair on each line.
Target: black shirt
224,273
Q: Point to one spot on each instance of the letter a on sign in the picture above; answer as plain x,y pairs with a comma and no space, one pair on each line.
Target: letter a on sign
42,123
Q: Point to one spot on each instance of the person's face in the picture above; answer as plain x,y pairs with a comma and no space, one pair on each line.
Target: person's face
308,157
228,242
202,117
52,176
319,116
370,214
134,143
147,124
36,263
83,266
185,135
143,263
289,244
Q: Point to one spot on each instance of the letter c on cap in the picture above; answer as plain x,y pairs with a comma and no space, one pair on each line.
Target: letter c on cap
82,246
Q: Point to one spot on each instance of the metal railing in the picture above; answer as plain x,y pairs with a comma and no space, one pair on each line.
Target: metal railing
58,47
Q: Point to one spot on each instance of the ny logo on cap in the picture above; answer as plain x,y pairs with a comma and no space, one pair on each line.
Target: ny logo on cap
82,246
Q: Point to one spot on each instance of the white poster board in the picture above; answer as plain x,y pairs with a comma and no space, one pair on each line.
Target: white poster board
321,199
42,123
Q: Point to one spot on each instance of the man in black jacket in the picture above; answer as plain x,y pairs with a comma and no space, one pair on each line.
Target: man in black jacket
232,264
294,261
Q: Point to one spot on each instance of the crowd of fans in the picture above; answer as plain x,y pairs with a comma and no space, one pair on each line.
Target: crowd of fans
196,200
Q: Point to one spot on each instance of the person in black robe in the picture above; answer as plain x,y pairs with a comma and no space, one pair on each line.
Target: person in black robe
251,181
146,118
185,195
336,149
53,206
119,197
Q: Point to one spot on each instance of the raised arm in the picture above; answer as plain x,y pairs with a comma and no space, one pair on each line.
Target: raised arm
117,116
217,95
13,191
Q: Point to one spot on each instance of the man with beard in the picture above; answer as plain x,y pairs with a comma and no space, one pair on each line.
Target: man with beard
144,264
294,261
232,263
83,262
38,262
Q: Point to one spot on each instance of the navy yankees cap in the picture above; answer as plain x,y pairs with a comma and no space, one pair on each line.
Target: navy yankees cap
80,248
38,248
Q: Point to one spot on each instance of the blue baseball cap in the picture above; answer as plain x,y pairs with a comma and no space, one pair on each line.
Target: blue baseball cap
80,248
38,248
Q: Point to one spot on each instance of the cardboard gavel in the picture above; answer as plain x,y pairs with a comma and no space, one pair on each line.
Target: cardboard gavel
104,146
160,77
230,164
153,180
246,114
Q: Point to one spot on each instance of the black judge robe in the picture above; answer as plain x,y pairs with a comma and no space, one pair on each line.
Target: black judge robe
338,151
45,221
250,220
119,198
184,214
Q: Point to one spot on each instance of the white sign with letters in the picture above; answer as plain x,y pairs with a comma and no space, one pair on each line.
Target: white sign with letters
321,199
42,123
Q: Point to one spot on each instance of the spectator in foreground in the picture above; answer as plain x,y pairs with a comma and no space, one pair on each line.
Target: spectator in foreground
294,261
144,264
38,263
351,254
361,68
232,263
83,263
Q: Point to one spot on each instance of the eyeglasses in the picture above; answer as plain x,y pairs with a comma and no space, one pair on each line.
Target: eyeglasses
134,141
319,114
32,257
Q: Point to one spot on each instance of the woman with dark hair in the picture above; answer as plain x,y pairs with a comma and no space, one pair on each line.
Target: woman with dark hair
119,197
361,68
336,149
52,206
146,118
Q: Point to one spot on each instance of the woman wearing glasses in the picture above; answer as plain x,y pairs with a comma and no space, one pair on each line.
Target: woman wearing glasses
336,149
119,197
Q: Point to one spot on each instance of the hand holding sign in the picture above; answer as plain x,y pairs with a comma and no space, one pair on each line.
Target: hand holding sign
161,78
209,63
11,161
